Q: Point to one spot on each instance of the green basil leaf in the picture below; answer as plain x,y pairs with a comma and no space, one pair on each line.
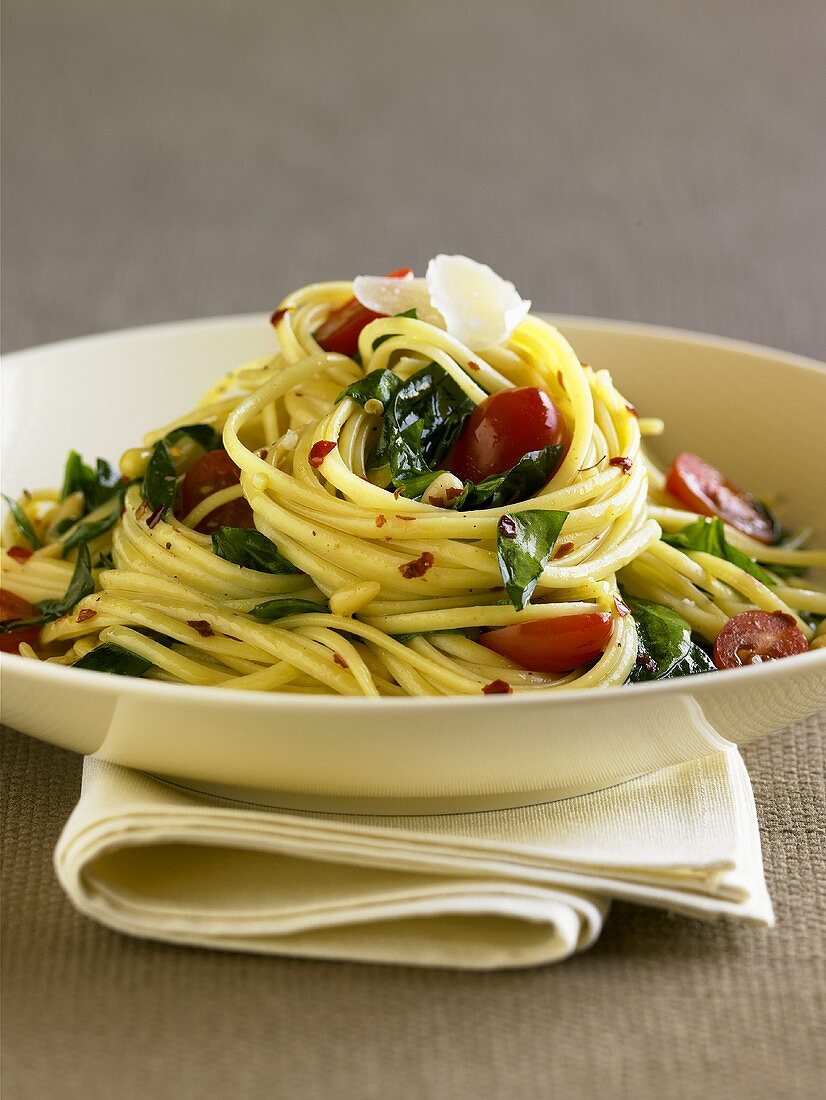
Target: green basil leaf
708,535
86,530
97,485
81,585
524,542
105,561
664,645
23,523
250,549
422,421
202,434
161,477
115,660
530,474
271,610
378,385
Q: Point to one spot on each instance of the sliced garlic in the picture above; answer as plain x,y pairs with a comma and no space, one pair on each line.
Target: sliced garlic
437,491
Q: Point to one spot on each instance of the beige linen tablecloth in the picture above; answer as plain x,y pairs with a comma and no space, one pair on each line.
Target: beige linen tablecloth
648,159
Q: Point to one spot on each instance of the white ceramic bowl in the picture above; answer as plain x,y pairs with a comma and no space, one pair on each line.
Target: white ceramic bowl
756,413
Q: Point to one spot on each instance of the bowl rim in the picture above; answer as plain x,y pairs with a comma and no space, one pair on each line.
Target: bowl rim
116,686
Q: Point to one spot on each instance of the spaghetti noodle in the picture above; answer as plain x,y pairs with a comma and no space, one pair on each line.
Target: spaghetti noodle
338,552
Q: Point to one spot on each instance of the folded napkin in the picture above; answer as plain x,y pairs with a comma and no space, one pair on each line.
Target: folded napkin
506,888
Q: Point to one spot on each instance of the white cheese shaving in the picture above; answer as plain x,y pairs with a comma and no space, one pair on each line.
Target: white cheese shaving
474,304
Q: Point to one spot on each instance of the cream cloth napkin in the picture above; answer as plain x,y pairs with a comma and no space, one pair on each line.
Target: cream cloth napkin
506,888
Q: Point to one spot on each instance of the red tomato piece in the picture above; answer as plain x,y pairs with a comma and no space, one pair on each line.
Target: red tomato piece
702,488
753,637
341,330
14,607
214,471
506,426
552,645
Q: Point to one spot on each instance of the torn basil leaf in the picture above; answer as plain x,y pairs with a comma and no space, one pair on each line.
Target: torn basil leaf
105,561
250,549
271,610
708,535
115,660
161,477
524,542
378,385
530,474
97,485
23,523
86,529
664,644
422,421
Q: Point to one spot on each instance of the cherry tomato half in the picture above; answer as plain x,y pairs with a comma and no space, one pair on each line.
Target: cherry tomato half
14,607
502,429
703,489
756,636
341,330
214,471
552,645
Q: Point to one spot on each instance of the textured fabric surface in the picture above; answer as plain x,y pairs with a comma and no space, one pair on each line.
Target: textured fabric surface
646,159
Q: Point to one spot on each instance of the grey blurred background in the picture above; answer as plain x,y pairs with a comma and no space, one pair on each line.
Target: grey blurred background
648,159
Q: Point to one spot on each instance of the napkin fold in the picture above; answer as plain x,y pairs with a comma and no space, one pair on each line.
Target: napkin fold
506,888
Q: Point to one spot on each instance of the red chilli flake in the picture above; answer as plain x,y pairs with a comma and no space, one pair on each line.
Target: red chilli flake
19,553
451,494
631,408
141,508
507,528
622,607
202,626
563,549
472,365
407,519
412,569
155,518
339,660
381,520
624,464
319,451
497,687
278,314
85,615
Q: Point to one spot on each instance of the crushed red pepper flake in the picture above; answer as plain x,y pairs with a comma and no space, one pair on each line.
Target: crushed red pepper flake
624,463
339,660
19,553
472,365
453,492
622,607
319,451
563,549
507,528
497,687
155,518
278,314
407,519
85,615
141,509
631,408
412,569
381,519
202,626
